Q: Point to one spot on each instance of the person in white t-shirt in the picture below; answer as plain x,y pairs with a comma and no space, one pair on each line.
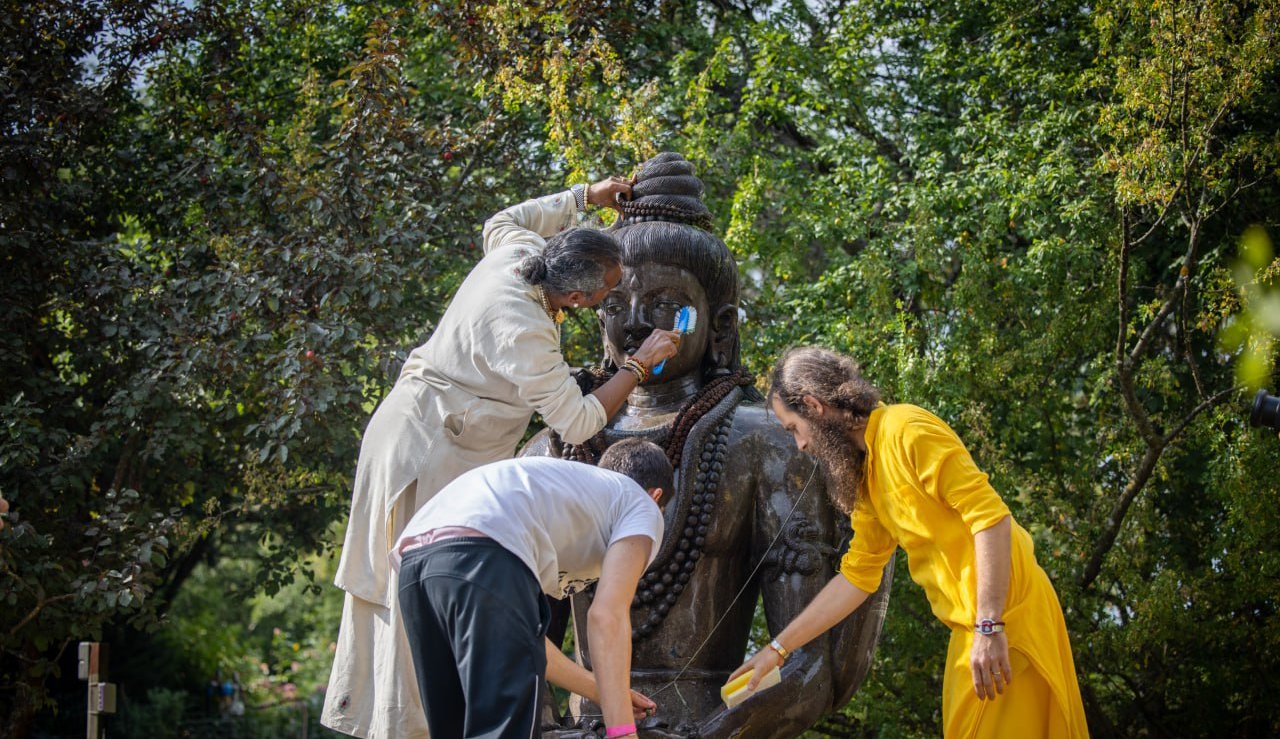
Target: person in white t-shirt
478,562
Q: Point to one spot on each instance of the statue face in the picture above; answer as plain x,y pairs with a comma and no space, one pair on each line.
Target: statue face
648,297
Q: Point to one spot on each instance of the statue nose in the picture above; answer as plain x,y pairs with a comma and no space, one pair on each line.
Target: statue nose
638,321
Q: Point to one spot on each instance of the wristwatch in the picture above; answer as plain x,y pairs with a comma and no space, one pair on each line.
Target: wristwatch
580,196
782,651
988,626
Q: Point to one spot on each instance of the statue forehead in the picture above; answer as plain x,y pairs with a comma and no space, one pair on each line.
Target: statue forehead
650,275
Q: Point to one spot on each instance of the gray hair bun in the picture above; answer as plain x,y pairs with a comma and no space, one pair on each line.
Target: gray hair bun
533,269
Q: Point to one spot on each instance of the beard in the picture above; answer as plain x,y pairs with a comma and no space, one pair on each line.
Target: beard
841,462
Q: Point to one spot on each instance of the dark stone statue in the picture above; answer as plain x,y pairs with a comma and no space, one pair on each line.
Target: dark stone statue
750,520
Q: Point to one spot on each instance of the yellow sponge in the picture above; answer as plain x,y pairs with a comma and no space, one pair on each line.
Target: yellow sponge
735,691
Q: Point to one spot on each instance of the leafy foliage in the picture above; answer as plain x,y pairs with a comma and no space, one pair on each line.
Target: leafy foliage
217,259
223,224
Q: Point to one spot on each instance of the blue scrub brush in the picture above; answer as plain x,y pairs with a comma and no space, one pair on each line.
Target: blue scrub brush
686,323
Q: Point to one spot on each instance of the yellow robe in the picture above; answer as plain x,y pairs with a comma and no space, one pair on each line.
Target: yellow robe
923,492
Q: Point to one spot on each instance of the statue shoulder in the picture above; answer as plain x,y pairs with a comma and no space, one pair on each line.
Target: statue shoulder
540,445
755,420
758,440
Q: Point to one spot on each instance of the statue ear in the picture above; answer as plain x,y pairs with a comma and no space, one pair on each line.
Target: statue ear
724,336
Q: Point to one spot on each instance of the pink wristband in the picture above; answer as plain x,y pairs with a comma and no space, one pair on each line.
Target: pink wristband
616,731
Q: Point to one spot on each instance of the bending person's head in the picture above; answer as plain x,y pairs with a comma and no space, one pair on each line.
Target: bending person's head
642,461
821,397
579,266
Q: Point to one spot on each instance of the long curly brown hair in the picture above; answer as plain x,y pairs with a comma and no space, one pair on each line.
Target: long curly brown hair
835,381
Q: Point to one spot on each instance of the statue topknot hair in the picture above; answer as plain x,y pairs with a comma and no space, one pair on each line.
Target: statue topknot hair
667,189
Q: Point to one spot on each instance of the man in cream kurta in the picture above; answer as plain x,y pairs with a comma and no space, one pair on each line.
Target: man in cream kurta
463,399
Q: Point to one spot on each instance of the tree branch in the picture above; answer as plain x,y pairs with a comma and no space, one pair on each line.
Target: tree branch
861,123
41,604
1139,480
1114,521
1124,361
1164,212
1122,288
1206,404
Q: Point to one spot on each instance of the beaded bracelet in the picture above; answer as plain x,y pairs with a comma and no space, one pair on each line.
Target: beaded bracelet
636,368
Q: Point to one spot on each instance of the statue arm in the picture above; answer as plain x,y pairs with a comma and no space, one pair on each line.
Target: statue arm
797,568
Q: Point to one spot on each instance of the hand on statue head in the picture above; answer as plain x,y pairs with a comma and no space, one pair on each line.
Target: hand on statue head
763,662
658,346
605,193
641,706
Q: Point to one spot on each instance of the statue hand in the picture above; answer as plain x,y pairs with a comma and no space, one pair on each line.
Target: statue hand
658,346
606,193
657,728
555,732
586,381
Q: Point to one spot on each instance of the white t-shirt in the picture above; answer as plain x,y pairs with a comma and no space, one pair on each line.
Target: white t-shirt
557,516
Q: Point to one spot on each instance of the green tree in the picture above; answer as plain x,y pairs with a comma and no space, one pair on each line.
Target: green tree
1023,217
224,223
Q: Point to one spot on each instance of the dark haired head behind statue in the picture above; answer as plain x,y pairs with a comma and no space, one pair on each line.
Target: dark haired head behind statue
744,496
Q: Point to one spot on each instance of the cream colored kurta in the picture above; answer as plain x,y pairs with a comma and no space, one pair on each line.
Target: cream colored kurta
463,399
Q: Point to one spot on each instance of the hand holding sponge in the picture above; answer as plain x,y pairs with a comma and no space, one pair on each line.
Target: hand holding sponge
735,691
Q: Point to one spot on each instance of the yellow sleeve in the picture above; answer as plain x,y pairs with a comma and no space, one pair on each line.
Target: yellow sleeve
947,471
869,550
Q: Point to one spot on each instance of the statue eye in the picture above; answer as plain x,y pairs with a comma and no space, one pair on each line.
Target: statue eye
669,306
612,309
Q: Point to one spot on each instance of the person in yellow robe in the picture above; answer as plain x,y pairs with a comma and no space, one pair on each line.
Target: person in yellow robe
907,480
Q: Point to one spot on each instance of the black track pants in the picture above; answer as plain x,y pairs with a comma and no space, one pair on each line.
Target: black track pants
475,618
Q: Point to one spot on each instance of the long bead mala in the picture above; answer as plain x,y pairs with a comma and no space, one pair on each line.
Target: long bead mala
662,585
